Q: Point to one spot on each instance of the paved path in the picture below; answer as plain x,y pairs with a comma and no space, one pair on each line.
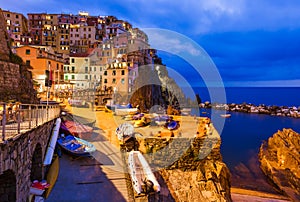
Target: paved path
99,178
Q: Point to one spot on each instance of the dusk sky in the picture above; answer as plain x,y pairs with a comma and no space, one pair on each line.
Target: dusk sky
252,43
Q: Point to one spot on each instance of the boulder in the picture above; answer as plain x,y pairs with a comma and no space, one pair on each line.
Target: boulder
280,161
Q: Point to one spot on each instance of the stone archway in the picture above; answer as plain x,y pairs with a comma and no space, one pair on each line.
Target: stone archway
37,164
8,187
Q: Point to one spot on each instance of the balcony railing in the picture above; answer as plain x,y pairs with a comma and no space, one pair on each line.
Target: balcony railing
18,119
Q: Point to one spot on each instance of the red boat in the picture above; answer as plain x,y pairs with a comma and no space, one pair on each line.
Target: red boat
76,129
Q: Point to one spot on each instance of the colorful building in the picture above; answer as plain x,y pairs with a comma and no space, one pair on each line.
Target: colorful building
42,58
16,25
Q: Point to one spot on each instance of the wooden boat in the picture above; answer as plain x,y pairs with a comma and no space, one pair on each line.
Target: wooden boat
225,115
77,129
52,175
143,179
75,145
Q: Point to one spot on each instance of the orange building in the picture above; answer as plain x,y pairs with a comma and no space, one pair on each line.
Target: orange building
42,58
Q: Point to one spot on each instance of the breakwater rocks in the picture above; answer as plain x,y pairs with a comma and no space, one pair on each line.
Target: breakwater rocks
280,161
259,109
192,168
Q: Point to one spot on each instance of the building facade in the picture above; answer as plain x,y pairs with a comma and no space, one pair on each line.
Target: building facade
16,25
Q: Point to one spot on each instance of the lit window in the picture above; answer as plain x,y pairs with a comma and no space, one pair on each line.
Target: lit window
123,81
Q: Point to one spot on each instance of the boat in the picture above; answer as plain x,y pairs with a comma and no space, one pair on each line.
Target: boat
186,111
52,175
172,125
124,130
52,142
143,179
121,110
125,111
76,129
75,145
225,115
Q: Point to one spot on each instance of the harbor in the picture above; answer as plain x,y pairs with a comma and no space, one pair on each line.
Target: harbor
108,166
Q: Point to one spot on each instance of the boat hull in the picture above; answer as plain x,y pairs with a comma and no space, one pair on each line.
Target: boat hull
76,146
141,173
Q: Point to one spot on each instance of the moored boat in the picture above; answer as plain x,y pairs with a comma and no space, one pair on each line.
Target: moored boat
75,145
77,129
225,115
143,179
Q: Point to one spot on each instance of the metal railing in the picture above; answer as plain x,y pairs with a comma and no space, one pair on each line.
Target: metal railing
15,119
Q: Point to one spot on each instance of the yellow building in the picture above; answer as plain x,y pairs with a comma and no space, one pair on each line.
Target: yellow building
16,25
42,58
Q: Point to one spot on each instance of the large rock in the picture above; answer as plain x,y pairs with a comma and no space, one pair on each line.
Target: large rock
197,172
280,161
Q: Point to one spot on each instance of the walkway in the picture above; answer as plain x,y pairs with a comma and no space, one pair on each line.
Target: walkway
97,178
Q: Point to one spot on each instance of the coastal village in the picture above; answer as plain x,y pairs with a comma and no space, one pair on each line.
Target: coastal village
74,83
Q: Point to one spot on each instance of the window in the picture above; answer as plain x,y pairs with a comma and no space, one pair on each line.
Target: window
27,51
123,72
95,69
66,77
73,76
86,69
122,80
73,69
114,73
105,73
114,81
27,62
86,77
72,60
105,80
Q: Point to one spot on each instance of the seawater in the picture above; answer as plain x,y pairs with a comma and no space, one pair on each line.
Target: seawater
243,133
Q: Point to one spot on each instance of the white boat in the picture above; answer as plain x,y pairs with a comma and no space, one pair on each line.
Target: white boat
225,115
52,143
125,111
143,179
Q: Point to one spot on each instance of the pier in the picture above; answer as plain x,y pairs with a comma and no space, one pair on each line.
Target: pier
23,145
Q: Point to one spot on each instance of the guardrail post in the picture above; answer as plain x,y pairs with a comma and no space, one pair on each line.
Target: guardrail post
37,115
29,114
18,121
3,122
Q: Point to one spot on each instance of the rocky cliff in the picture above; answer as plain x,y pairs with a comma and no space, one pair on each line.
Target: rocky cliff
15,79
191,168
280,161
154,87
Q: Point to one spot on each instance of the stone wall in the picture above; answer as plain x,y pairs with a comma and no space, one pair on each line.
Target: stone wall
17,155
9,81
191,168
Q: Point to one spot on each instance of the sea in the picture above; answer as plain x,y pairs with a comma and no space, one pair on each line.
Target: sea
243,133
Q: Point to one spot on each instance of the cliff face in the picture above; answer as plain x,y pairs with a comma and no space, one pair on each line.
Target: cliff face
15,80
197,172
280,161
154,87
